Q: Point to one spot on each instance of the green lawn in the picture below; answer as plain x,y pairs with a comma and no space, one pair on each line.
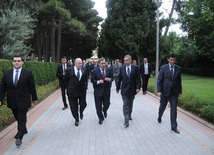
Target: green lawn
202,87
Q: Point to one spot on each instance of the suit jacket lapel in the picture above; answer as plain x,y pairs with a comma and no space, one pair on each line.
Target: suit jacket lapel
11,77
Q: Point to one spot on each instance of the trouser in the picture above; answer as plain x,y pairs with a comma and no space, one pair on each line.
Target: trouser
173,108
74,106
127,106
145,82
21,118
116,78
102,104
63,88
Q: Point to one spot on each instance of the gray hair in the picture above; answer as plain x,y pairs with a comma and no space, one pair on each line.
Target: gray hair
128,56
101,59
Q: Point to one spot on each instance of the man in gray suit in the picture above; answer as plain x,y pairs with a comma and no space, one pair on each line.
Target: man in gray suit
169,87
116,71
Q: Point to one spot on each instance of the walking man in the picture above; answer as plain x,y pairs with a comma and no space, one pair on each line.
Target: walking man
61,74
116,70
101,79
146,72
169,87
19,85
130,78
76,77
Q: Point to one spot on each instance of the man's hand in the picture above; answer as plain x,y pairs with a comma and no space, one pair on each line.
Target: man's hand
178,96
101,81
159,94
137,90
117,91
63,74
35,102
107,79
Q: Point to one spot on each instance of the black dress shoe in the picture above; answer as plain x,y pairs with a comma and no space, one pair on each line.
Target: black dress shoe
81,116
64,108
18,142
126,125
159,120
17,135
105,114
76,123
130,118
100,122
176,131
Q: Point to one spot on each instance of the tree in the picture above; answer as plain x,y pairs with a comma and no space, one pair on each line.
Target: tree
128,29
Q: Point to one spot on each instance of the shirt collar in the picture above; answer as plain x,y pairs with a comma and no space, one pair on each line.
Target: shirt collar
18,69
171,65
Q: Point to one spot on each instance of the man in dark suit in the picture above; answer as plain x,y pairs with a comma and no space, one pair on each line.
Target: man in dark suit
19,85
76,77
101,78
130,78
146,72
169,87
61,74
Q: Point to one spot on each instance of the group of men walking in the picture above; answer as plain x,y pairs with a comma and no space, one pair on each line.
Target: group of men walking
19,85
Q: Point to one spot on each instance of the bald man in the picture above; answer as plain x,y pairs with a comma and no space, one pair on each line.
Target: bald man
76,77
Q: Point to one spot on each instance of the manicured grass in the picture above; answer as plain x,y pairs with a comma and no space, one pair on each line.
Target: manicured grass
202,87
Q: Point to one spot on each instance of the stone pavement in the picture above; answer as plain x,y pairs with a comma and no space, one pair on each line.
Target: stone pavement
51,131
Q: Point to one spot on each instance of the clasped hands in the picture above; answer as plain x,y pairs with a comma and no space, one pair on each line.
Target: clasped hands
106,79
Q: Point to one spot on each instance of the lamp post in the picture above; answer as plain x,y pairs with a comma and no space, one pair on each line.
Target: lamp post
157,3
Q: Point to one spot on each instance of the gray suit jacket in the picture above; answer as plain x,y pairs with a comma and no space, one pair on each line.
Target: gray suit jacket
165,82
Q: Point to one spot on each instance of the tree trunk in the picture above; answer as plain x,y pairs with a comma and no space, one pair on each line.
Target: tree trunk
59,40
39,46
53,54
170,16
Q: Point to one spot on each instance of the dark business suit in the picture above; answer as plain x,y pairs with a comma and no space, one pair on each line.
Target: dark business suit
18,97
102,91
62,82
170,87
128,88
145,77
76,91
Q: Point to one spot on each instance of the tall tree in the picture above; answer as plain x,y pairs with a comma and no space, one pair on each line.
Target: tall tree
128,29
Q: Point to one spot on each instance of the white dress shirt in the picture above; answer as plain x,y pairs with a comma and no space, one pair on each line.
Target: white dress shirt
14,73
146,71
76,71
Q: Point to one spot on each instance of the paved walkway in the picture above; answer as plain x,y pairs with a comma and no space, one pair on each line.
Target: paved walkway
52,131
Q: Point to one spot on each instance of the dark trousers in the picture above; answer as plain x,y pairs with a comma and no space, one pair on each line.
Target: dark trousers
116,78
145,82
127,106
102,104
74,106
173,108
21,118
63,87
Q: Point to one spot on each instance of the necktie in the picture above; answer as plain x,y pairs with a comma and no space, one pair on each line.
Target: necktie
64,68
78,74
16,77
128,72
172,71
104,74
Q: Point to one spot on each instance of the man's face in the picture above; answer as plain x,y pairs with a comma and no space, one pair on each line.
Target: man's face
171,61
17,62
63,61
102,64
117,61
94,62
127,61
83,62
134,62
78,64
145,60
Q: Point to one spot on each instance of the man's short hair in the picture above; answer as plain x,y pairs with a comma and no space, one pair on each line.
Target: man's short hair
18,56
63,57
171,56
101,59
128,56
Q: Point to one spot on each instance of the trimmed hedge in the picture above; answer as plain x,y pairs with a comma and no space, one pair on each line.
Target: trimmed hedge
43,72
199,72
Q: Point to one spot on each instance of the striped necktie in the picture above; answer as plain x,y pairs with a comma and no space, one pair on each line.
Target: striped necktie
128,72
